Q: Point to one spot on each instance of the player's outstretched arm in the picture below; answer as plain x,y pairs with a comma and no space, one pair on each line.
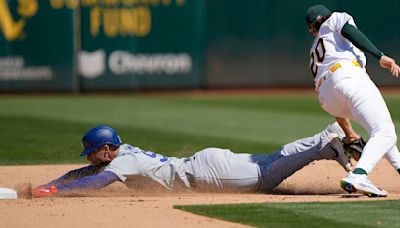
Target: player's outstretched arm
389,63
91,182
88,182
75,174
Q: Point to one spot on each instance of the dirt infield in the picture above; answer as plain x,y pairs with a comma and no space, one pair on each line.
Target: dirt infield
117,206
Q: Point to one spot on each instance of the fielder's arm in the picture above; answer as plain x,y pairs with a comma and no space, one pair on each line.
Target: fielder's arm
361,41
345,124
389,63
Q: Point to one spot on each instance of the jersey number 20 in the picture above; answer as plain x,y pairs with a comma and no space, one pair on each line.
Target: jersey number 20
317,55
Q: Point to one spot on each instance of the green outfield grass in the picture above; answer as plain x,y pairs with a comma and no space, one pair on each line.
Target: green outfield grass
47,129
344,214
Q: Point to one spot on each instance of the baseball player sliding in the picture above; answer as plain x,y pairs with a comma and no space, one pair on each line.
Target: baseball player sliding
211,168
345,90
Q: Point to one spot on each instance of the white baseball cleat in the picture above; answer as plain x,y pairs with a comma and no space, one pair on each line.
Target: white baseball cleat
337,145
359,183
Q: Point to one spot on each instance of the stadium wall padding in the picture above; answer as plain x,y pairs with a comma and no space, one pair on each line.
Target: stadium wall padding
92,45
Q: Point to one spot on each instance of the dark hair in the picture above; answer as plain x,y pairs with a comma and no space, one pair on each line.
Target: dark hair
112,147
317,23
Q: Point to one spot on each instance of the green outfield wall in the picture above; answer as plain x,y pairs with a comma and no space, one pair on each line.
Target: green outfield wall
264,43
90,45
101,44
37,47
141,44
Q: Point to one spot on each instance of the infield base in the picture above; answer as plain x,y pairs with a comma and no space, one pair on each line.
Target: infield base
8,193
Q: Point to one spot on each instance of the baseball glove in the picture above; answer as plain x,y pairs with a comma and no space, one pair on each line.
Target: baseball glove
355,148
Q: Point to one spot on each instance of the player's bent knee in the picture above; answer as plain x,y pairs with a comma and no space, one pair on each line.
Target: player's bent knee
394,139
388,134
388,139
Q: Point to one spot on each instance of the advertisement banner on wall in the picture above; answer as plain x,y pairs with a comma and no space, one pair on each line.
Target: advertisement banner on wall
37,47
134,44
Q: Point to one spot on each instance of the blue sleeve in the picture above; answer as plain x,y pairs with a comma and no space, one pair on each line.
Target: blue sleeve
91,182
75,174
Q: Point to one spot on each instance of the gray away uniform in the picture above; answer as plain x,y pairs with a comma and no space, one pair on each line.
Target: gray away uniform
221,169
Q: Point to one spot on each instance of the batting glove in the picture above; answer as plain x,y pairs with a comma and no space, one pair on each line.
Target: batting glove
44,191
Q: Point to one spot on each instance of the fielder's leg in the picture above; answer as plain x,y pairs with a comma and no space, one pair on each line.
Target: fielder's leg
369,109
393,156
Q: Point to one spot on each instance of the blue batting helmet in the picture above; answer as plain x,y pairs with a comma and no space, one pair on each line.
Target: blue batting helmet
97,137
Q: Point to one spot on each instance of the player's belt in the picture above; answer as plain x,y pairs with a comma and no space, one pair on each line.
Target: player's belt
333,69
337,66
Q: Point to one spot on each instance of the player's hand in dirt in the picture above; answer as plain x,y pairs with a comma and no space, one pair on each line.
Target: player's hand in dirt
44,191
389,63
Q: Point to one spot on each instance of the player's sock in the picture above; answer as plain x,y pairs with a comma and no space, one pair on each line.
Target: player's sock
359,171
